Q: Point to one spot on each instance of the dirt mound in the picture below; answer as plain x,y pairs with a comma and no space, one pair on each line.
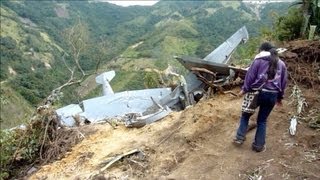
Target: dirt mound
303,61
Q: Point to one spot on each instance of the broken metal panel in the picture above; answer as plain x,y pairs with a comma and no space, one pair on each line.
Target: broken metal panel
223,53
221,69
192,82
157,116
134,120
104,79
66,114
172,98
190,62
122,103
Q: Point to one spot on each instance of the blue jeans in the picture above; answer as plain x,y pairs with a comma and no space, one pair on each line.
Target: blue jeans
266,102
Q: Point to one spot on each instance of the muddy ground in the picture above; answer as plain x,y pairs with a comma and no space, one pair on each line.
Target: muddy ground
197,143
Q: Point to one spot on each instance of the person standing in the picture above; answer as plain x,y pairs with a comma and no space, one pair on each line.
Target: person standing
267,76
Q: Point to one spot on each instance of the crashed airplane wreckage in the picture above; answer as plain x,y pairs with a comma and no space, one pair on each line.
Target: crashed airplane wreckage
141,107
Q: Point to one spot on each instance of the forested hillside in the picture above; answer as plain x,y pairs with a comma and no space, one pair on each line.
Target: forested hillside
41,39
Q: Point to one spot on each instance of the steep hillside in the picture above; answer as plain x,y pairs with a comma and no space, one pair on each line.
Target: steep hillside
193,28
14,108
193,144
33,44
197,143
34,41
25,47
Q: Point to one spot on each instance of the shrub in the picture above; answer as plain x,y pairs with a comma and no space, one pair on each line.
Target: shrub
288,27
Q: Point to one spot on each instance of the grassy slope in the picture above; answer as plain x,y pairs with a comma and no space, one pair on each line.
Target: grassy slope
12,27
173,31
172,36
14,108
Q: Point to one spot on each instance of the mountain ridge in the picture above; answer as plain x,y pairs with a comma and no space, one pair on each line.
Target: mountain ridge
34,40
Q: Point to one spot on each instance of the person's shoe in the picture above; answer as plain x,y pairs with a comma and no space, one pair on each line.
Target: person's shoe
259,149
238,142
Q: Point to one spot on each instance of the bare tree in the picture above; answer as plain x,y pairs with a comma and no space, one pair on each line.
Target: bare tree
77,37
101,50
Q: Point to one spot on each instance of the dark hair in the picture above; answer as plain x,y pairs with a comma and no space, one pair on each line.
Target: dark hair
266,46
273,64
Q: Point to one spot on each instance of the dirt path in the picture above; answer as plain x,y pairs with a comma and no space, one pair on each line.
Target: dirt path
195,144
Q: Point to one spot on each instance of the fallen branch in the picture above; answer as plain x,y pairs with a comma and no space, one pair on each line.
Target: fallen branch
117,158
230,92
113,160
203,70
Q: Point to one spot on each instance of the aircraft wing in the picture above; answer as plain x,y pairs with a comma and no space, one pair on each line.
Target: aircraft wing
223,53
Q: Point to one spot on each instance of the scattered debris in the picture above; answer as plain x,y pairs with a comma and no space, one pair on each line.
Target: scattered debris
293,125
140,107
300,102
32,170
298,99
139,121
303,62
259,171
312,155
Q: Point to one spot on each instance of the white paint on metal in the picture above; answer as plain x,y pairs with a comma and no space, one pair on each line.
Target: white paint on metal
223,53
104,79
66,114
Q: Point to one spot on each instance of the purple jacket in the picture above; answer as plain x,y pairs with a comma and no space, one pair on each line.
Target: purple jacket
257,75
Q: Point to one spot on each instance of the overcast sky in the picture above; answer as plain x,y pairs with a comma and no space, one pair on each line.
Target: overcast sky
133,2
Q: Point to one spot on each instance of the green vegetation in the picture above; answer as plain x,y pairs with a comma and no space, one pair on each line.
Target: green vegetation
128,80
14,108
295,24
36,49
43,43
245,53
288,27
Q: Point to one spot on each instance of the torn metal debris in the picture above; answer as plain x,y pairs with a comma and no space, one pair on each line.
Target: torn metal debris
67,114
141,107
223,53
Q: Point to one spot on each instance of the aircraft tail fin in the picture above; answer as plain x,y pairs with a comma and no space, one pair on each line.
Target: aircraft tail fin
104,79
223,53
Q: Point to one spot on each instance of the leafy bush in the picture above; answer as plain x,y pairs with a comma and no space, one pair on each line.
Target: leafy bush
151,80
39,142
8,42
16,148
288,27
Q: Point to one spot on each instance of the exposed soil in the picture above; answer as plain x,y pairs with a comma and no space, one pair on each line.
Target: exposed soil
303,61
197,144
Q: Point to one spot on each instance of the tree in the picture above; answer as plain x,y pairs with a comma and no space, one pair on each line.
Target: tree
77,38
311,14
289,27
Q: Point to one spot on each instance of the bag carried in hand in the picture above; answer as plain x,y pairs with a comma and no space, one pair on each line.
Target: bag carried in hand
250,102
